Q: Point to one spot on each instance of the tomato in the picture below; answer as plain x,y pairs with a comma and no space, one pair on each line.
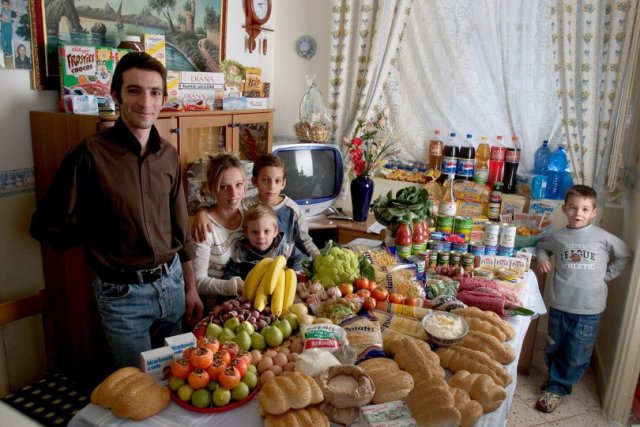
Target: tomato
209,342
372,285
201,357
223,355
240,365
198,378
369,303
361,283
363,293
380,294
231,347
181,368
229,378
186,353
215,369
411,301
396,298
346,288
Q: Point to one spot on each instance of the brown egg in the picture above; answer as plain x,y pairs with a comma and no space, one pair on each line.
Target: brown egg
277,370
265,364
280,359
266,376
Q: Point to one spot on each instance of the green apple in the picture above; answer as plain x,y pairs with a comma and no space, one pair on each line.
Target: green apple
243,340
245,326
201,398
221,396
252,368
226,335
232,323
175,383
213,330
258,342
250,379
185,392
240,391
212,386
293,321
284,327
274,336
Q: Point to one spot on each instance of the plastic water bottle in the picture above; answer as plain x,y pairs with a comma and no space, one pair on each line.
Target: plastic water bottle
541,158
556,170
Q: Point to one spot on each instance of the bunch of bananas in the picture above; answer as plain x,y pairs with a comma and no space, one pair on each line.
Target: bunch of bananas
270,277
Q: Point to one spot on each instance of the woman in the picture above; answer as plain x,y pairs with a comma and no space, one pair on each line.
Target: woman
226,181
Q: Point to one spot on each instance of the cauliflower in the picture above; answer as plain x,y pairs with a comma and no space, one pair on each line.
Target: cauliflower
335,266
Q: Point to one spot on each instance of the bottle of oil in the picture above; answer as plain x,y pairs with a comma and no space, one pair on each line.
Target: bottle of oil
481,171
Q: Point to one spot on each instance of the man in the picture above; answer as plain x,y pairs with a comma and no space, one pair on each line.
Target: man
119,194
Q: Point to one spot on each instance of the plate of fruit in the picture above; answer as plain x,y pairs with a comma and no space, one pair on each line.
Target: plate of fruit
213,378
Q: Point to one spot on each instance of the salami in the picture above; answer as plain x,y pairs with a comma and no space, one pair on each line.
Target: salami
484,301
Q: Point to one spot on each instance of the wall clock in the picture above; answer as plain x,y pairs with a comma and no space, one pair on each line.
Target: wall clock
257,14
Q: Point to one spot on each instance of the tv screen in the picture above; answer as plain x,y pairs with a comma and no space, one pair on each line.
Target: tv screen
314,174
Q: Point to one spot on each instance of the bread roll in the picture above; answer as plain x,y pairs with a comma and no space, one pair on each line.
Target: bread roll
291,390
470,410
414,356
476,324
490,317
129,393
304,417
431,404
490,345
459,358
481,388
390,382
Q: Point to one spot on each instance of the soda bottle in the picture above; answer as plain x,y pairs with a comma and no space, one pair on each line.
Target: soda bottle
449,158
496,161
481,170
556,172
541,159
495,200
419,238
436,150
511,161
403,239
466,159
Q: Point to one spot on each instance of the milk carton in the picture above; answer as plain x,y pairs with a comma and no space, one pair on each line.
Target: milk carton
157,363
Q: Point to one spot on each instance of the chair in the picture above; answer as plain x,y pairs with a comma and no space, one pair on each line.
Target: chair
54,399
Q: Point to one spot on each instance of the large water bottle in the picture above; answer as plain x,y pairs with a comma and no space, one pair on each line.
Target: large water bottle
556,172
541,158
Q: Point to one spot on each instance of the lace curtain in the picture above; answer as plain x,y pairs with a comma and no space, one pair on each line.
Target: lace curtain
484,68
366,35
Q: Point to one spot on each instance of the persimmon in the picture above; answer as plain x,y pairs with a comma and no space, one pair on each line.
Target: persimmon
181,368
186,353
231,347
229,378
240,365
198,378
223,355
243,354
216,367
211,343
201,357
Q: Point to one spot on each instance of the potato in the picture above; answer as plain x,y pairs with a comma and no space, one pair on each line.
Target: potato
299,309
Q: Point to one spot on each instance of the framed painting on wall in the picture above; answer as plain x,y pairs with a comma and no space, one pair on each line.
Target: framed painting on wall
15,35
194,30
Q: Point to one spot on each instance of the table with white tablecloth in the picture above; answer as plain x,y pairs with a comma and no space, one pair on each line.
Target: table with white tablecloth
248,415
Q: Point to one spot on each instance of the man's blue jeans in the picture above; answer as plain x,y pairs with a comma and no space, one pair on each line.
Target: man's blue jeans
568,350
137,318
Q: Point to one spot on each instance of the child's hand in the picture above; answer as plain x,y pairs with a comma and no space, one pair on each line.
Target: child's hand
545,266
200,225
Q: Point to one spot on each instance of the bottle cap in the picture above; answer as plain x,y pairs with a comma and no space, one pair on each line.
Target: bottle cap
469,136
452,134
545,142
437,131
484,138
499,137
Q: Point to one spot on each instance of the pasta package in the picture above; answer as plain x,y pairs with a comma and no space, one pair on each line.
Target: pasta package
365,337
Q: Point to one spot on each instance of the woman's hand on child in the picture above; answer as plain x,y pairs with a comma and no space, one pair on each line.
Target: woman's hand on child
545,266
200,225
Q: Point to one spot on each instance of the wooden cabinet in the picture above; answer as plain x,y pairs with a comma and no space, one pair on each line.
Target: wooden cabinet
80,346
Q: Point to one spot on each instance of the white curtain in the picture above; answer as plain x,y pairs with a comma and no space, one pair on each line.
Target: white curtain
480,67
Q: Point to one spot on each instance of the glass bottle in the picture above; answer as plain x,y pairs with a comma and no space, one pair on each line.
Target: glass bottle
403,239
419,238
495,201
448,206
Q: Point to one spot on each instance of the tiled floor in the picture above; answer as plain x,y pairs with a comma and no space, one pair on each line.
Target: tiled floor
581,409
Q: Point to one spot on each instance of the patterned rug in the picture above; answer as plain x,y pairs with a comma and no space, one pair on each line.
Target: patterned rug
52,401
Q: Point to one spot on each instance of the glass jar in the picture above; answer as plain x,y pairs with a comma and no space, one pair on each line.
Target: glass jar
130,42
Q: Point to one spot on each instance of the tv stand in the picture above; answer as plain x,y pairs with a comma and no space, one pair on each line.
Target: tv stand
323,228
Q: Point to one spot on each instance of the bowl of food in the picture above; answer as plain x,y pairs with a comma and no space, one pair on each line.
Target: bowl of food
444,328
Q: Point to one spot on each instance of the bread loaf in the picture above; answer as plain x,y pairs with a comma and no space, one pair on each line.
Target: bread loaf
459,358
431,404
291,390
470,410
481,388
390,382
304,417
490,317
477,324
414,356
130,393
490,345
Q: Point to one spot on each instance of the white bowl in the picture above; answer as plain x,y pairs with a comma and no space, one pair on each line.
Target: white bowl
441,341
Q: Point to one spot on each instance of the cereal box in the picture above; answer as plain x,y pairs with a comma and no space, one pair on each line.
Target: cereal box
253,82
154,45
157,363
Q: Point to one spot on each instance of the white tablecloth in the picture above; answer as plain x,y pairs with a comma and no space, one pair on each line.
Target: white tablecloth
248,415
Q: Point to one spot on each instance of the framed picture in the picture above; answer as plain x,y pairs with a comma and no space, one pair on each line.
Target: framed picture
194,30
15,37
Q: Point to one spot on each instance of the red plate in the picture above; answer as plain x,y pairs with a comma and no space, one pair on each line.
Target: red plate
214,409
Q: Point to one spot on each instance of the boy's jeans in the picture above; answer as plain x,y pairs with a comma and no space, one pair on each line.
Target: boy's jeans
6,34
568,350
137,318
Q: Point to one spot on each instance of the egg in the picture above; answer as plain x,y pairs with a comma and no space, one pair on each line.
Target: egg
266,376
270,353
280,359
277,370
256,356
265,364
290,366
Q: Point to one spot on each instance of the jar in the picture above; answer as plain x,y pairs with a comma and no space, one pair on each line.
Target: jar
130,42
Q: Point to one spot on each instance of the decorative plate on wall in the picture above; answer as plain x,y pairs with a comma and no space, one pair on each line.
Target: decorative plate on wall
306,47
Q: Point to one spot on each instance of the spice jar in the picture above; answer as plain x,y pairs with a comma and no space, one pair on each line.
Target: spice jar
130,42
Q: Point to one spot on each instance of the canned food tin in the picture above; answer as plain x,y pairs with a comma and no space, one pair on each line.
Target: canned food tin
477,248
504,251
507,235
436,245
490,250
433,261
463,225
443,257
467,262
460,247
437,235
444,224
446,246
455,258
490,234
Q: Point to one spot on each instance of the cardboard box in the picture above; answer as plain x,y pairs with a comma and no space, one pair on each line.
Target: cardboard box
501,262
81,104
257,103
527,258
513,203
234,103
154,45
180,342
157,363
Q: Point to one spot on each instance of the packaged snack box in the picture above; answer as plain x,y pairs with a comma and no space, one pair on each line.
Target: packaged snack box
154,45
157,363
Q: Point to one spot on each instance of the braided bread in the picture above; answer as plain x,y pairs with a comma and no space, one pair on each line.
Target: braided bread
486,343
481,388
291,390
459,358
305,417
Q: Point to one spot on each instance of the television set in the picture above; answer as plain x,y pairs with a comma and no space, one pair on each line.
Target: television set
314,174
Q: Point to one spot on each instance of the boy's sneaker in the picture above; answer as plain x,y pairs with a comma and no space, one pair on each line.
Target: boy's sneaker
548,402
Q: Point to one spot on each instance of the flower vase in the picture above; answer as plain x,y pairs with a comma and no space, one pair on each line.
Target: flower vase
361,194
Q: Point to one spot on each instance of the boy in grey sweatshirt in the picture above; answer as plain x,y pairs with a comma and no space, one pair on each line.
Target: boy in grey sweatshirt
585,258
